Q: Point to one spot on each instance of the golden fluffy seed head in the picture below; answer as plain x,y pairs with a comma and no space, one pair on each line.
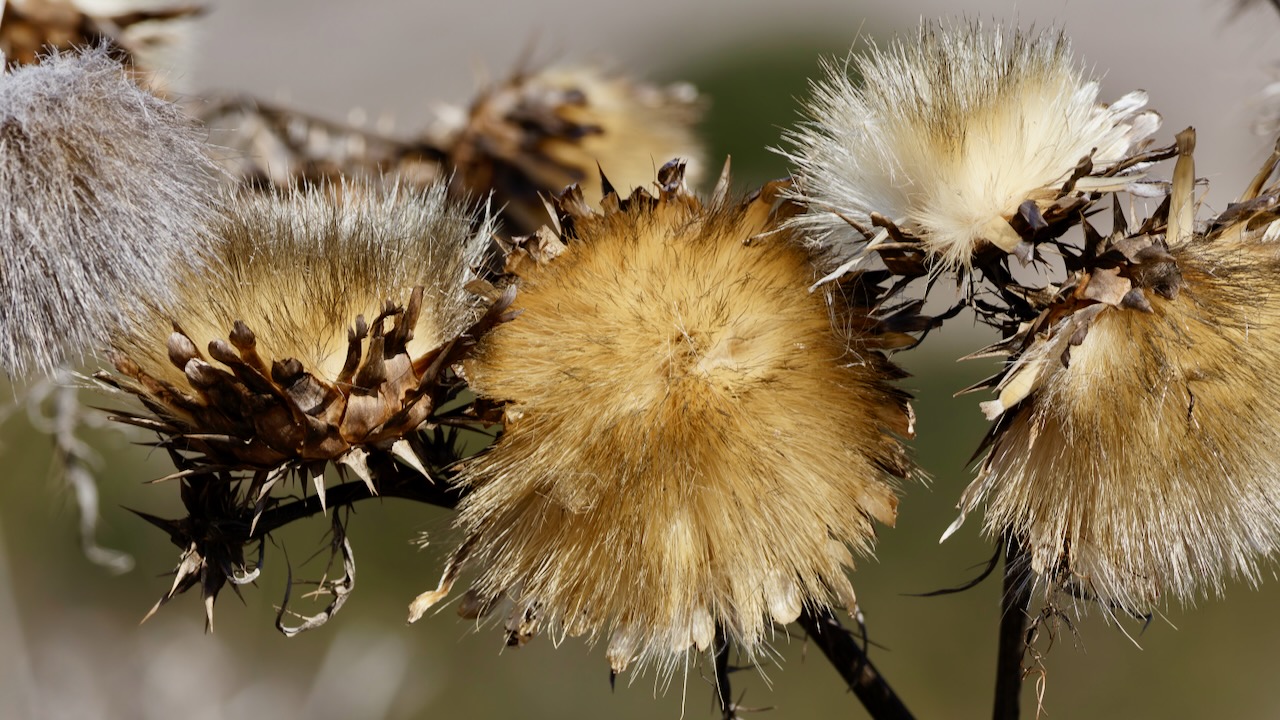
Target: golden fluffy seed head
948,135
688,442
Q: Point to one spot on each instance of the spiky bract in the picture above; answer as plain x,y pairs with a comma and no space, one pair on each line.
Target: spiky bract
687,441
949,135
104,192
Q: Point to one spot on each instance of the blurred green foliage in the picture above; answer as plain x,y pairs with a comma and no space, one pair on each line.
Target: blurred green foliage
755,91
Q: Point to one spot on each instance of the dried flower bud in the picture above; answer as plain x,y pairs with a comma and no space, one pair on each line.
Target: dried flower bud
687,441
104,192
1135,453
541,132
948,137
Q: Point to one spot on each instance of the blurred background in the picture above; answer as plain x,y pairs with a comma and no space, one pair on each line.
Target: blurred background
69,629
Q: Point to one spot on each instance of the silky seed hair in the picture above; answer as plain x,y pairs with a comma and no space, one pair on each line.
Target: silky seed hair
1139,463
299,266
948,134
105,191
687,442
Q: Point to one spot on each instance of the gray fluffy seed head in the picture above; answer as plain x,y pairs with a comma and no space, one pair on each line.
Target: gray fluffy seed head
104,194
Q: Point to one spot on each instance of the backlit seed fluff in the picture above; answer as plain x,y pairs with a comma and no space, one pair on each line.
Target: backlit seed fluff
1137,455
946,137
104,191
687,441
295,321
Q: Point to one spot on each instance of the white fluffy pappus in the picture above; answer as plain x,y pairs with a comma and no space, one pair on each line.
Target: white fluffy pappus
949,135
104,194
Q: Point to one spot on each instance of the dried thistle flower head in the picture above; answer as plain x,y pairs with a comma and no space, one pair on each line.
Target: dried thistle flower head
331,299
1135,453
104,192
948,136
687,441
322,337
153,39
523,139
540,132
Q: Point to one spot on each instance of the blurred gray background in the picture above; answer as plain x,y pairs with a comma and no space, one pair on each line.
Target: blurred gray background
72,646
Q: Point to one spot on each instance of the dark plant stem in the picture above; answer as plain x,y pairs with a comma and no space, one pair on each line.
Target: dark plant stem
1015,599
724,691
393,482
842,650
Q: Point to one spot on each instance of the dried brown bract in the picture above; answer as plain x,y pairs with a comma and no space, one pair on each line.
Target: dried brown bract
1135,453
687,442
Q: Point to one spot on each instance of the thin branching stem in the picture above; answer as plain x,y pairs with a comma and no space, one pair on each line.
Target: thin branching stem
392,483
